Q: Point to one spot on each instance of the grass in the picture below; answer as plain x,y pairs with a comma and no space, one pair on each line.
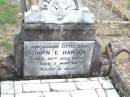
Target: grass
8,15
129,3
7,12
6,47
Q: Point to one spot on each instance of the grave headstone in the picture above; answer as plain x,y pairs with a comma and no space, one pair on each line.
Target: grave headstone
58,38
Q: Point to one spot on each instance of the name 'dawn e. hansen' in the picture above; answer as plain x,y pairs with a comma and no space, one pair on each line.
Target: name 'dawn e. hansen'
64,52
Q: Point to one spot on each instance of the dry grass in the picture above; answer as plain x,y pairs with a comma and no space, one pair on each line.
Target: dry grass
7,12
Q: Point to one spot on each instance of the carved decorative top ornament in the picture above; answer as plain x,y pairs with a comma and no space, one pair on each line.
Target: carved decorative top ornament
59,8
58,11
60,4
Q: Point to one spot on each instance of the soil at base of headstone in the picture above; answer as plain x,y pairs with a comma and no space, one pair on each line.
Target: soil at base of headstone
8,69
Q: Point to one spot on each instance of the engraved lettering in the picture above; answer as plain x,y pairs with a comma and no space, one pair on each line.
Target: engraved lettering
57,57
41,52
56,52
73,52
45,7
45,64
76,5
70,68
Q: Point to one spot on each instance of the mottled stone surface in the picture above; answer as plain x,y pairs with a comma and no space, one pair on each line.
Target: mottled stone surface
96,64
56,32
59,32
105,66
46,58
119,55
121,80
115,48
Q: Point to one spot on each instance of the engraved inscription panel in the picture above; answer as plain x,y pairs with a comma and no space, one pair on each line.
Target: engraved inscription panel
46,58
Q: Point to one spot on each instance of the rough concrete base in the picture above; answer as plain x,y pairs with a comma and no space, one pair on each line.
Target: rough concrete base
121,80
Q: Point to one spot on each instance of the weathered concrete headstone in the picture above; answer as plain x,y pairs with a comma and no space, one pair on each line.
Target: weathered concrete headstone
58,38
